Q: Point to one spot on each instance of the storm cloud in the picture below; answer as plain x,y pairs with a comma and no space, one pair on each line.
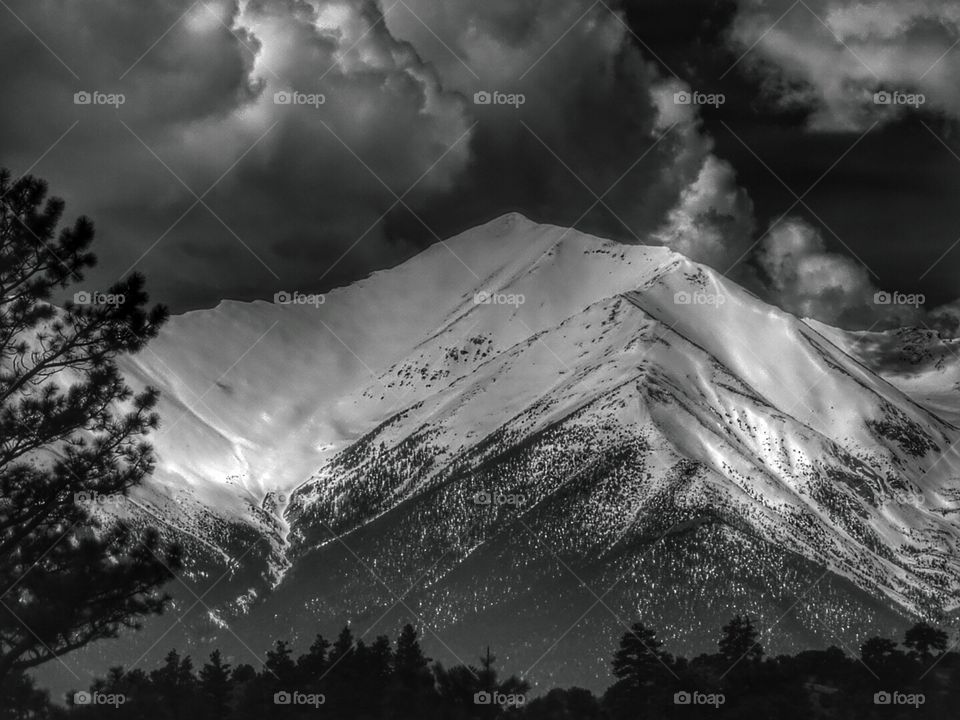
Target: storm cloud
267,145
853,58
285,144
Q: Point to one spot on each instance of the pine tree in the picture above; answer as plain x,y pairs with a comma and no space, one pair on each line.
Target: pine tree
923,640
313,666
639,658
379,664
409,660
343,681
71,435
174,681
412,683
343,648
739,641
280,665
215,687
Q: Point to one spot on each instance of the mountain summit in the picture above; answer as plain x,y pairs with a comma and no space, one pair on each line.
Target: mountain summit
529,436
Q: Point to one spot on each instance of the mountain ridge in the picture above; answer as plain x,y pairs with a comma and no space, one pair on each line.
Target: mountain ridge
618,392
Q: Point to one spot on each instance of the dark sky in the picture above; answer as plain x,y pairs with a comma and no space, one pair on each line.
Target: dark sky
202,181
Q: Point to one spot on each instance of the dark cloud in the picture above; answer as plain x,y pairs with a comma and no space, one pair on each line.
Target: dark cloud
287,183
588,117
884,199
845,50
295,196
310,195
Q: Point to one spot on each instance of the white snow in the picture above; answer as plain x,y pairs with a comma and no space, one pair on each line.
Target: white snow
259,398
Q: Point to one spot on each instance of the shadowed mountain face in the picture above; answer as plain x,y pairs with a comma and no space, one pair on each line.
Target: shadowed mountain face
528,437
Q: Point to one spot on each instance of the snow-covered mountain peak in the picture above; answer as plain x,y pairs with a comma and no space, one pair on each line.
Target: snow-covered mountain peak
252,391
515,355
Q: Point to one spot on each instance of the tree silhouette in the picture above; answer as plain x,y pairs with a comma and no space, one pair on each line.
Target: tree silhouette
412,682
174,681
824,684
639,658
739,641
559,704
215,687
21,700
71,435
645,674
882,657
344,681
312,666
922,638
281,665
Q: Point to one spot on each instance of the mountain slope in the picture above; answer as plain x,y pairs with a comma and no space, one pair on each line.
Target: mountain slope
613,416
786,433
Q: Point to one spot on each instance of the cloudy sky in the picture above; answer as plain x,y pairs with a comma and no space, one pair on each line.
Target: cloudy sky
787,171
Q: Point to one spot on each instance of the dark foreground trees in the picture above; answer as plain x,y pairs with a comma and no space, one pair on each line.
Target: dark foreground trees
350,679
344,680
71,439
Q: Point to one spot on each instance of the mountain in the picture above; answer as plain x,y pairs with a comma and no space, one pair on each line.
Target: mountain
529,437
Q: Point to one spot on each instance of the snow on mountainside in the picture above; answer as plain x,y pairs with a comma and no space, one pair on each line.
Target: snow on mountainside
919,361
612,394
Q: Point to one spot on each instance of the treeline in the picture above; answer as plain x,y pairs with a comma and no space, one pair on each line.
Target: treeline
349,679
